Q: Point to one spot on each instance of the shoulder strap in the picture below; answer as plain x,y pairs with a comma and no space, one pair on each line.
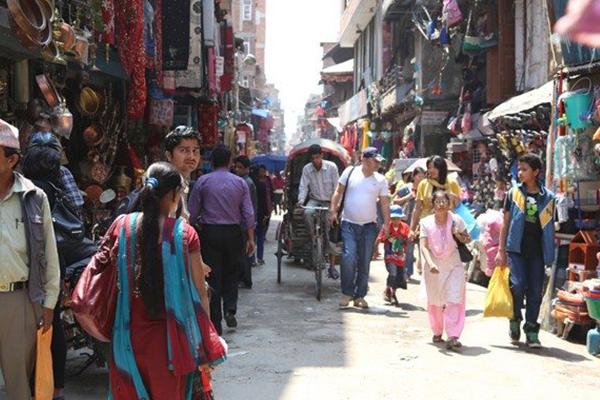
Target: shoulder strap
345,190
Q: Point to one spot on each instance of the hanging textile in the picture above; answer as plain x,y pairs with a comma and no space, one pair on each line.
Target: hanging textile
209,22
158,60
130,31
108,16
182,45
229,53
207,124
176,34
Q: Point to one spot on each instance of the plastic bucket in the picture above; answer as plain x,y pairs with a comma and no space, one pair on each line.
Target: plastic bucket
577,106
593,306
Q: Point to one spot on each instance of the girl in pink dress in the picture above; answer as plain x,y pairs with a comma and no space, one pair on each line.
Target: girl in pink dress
444,273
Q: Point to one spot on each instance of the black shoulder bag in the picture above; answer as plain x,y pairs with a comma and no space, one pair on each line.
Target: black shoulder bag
68,226
335,234
463,251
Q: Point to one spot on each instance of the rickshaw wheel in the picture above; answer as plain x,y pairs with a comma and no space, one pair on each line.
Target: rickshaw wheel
279,254
318,266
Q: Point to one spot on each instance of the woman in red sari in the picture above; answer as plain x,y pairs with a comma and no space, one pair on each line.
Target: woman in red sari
162,332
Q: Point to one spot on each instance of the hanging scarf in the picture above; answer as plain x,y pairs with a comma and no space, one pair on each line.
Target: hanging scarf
191,338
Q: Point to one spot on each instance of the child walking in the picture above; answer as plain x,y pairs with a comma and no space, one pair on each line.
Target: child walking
527,243
395,245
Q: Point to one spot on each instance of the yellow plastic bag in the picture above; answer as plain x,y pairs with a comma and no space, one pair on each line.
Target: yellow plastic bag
44,377
498,300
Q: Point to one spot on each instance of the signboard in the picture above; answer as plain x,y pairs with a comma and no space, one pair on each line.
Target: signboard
354,108
433,118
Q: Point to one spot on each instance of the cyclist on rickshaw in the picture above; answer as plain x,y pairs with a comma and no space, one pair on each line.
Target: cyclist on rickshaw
317,184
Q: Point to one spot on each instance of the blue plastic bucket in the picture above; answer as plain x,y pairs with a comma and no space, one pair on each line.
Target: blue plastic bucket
577,106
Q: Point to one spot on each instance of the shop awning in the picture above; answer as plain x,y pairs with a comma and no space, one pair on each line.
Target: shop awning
342,68
523,102
335,122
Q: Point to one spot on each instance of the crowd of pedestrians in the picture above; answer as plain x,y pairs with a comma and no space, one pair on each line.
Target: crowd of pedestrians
182,247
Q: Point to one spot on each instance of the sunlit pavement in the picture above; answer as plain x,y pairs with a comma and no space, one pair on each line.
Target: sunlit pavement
290,346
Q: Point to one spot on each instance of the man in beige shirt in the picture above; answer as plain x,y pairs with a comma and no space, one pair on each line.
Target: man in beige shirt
29,268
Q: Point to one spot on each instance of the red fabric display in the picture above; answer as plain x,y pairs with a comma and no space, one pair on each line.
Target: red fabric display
207,124
129,18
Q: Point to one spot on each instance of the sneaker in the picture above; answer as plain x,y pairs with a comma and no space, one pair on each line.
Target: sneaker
230,320
437,339
515,331
345,301
261,262
532,341
361,303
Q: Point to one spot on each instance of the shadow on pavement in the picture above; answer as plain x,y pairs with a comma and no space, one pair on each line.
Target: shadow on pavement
410,307
466,351
473,313
549,352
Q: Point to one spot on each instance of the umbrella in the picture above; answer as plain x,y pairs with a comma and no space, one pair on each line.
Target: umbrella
422,162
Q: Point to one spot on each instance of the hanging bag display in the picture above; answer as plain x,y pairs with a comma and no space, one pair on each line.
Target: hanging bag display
498,300
451,13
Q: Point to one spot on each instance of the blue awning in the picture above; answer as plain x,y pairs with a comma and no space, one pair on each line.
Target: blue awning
274,163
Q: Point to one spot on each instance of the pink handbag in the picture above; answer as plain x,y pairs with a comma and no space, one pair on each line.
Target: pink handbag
451,13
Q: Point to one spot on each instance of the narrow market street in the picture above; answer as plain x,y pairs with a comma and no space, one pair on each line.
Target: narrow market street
289,346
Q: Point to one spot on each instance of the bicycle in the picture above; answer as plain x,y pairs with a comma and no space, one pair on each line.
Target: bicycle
320,245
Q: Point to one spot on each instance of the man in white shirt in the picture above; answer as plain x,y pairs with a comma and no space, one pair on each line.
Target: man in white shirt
318,182
363,186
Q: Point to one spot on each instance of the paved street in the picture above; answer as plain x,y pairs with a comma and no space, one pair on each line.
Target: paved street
289,346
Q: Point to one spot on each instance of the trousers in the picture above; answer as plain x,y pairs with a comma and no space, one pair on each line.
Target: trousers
451,317
222,249
527,280
18,333
358,243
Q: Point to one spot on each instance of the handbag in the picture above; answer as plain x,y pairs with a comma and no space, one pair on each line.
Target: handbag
94,298
68,227
463,251
335,233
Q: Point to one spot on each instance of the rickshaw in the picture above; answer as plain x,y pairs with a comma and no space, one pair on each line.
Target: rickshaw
293,238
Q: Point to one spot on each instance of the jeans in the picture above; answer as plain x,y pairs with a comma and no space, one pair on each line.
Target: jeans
526,280
396,277
358,244
261,235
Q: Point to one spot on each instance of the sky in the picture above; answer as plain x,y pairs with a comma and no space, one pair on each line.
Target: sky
295,29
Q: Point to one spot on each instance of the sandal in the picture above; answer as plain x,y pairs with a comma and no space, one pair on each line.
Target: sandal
453,343
437,339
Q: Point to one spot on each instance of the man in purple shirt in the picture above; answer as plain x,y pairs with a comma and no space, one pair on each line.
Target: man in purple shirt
220,205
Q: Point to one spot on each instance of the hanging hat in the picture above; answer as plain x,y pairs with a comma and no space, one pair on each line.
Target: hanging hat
9,135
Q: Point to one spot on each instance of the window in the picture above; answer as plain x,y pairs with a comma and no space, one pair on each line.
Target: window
246,10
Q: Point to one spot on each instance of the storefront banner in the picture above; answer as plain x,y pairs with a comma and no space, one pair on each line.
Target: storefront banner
354,108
